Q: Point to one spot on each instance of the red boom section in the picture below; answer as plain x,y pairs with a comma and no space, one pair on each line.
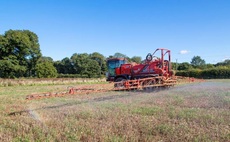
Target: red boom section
138,84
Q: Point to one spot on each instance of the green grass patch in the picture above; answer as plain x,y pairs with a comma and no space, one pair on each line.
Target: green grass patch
177,100
202,138
114,138
147,110
188,114
164,129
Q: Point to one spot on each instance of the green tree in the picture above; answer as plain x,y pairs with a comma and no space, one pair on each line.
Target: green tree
136,59
184,66
110,56
174,65
197,62
84,65
59,67
10,68
45,69
46,59
91,69
120,55
65,66
4,51
209,66
21,47
224,63
79,62
100,60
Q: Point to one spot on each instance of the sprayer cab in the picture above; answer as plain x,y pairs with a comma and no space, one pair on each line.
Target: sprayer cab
112,64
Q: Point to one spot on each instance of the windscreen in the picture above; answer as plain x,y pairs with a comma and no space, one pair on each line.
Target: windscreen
112,64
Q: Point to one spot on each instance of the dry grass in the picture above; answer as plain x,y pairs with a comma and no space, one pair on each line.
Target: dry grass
49,81
189,112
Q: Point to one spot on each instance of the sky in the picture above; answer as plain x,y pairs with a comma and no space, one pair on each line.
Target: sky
132,27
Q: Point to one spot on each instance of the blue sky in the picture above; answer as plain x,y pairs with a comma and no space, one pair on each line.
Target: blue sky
132,27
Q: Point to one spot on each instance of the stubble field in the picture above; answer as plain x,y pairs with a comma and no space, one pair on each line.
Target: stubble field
187,112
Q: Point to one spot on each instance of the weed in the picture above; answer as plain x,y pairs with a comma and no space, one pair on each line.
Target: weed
171,112
84,115
114,138
164,129
226,101
147,110
177,100
187,114
22,139
202,138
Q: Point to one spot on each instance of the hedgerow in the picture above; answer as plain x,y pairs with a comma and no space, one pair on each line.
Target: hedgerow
214,73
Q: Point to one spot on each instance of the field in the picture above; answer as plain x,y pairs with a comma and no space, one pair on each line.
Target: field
188,112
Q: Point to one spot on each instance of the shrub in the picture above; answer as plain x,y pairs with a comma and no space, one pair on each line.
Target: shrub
45,70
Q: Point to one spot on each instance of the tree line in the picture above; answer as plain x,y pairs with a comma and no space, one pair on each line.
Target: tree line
20,56
198,63
199,69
